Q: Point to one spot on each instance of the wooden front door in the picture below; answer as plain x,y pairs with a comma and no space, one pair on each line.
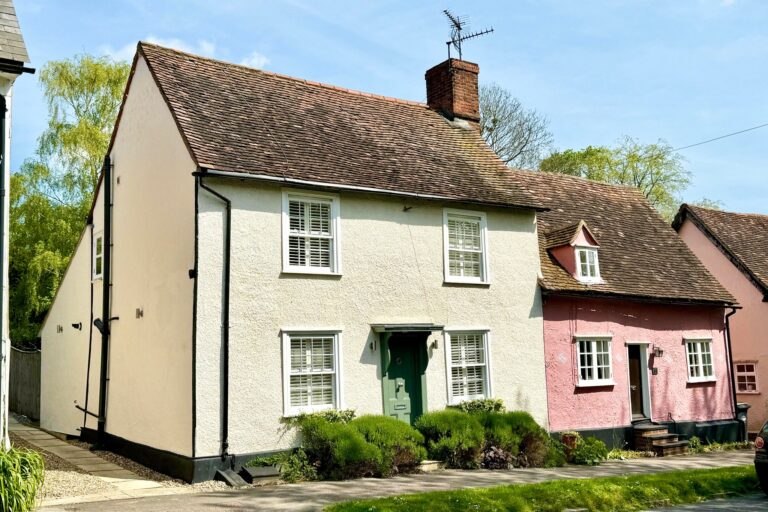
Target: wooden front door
636,382
402,379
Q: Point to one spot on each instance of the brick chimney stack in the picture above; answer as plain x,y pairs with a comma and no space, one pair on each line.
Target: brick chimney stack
452,89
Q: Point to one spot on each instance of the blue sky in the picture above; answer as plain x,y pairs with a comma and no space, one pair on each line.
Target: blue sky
682,70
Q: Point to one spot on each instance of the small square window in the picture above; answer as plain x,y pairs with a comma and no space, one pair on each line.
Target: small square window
594,361
98,256
587,266
746,377
699,354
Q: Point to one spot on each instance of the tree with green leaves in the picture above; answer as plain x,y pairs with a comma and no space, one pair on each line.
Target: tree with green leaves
655,169
52,192
520,136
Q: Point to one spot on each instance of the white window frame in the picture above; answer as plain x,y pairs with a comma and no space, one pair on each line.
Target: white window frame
485,274
699,343
753,373
594,382
99,235
287,334
587,249
335,257
454,400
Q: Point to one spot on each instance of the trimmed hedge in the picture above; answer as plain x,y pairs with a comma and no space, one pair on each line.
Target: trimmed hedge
525,443
401,446
338,450
452,436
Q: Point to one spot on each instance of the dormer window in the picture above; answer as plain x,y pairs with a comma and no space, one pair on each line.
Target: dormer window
587,266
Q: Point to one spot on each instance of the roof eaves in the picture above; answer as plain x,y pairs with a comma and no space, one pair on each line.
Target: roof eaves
596,294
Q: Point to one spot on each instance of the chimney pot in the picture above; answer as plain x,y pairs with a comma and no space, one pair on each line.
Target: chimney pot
452,89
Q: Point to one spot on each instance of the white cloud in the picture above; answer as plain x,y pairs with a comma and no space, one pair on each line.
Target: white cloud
255,60
125,53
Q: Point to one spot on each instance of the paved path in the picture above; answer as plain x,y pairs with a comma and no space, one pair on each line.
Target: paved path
314,495
753,502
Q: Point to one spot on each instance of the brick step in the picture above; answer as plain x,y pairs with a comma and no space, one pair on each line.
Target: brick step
657,439
647,434
671,448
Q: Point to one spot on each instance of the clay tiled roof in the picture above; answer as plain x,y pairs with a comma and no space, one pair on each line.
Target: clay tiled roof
11,42
742,237
640,255
243,120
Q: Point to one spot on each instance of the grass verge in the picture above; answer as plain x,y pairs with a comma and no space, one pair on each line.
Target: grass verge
626,493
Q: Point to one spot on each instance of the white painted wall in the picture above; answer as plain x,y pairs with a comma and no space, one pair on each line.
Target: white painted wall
149,398
392,273
64,355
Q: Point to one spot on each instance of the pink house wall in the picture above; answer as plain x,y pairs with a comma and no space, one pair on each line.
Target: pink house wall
749,326
665,326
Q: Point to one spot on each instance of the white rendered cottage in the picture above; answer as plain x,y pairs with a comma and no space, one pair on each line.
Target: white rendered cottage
276,246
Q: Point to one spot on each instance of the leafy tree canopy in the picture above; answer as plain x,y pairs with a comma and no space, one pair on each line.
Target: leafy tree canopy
52,192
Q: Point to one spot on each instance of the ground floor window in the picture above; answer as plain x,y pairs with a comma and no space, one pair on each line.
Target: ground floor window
746,377
699,353
594,357
310,367
468,369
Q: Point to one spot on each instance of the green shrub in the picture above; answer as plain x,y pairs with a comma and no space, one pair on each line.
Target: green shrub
294,465
556,454
589,451
337,450
21,477
330,415
618,454
400,444
481,405
453,436
518,435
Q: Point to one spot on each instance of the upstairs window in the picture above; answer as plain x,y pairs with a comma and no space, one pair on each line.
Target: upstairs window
746,377
98,256
699,354
594,357
310,233
311,379
587,267
465,251
467,366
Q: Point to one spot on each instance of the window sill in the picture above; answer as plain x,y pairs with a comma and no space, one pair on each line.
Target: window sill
309,272
595,384
292,413
461,282
700,381
748,392
459,401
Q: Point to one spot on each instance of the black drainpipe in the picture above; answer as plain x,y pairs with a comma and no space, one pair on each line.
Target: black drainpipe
106,278
225,321
730,355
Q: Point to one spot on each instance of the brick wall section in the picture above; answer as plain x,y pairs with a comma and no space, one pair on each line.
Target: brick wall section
452,89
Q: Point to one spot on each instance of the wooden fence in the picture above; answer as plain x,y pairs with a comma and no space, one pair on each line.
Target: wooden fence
25,383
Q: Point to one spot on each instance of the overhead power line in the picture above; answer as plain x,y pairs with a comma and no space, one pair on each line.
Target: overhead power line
721,137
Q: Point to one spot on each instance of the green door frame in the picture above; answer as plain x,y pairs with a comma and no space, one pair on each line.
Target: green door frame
422,358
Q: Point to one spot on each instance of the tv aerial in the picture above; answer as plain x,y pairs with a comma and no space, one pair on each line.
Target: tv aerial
459,23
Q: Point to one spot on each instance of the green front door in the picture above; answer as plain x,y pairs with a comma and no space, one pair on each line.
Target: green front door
403,375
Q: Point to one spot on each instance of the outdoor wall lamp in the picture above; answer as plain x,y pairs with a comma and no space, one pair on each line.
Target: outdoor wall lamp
658,352
78,326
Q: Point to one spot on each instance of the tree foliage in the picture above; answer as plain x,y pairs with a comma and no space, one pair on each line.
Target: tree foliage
518,135
655,169
52,192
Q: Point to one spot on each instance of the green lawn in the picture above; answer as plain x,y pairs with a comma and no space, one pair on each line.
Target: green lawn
598,494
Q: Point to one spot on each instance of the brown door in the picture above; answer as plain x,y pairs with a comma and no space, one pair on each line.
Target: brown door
636,382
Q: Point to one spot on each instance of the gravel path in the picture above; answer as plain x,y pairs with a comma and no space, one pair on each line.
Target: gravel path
62,479
145,472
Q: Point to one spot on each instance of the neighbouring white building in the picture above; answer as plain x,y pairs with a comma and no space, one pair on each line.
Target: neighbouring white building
271,246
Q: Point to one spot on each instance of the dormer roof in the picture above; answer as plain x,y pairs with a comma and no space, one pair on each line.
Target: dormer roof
569,235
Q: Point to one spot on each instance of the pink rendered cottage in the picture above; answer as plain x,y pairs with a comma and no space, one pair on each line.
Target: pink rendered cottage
734,248
636,346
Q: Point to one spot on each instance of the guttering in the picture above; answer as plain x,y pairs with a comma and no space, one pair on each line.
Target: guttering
225,318
205,171
733,311
590,294
106,281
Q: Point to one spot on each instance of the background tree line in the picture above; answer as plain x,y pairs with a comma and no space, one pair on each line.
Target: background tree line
51,193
